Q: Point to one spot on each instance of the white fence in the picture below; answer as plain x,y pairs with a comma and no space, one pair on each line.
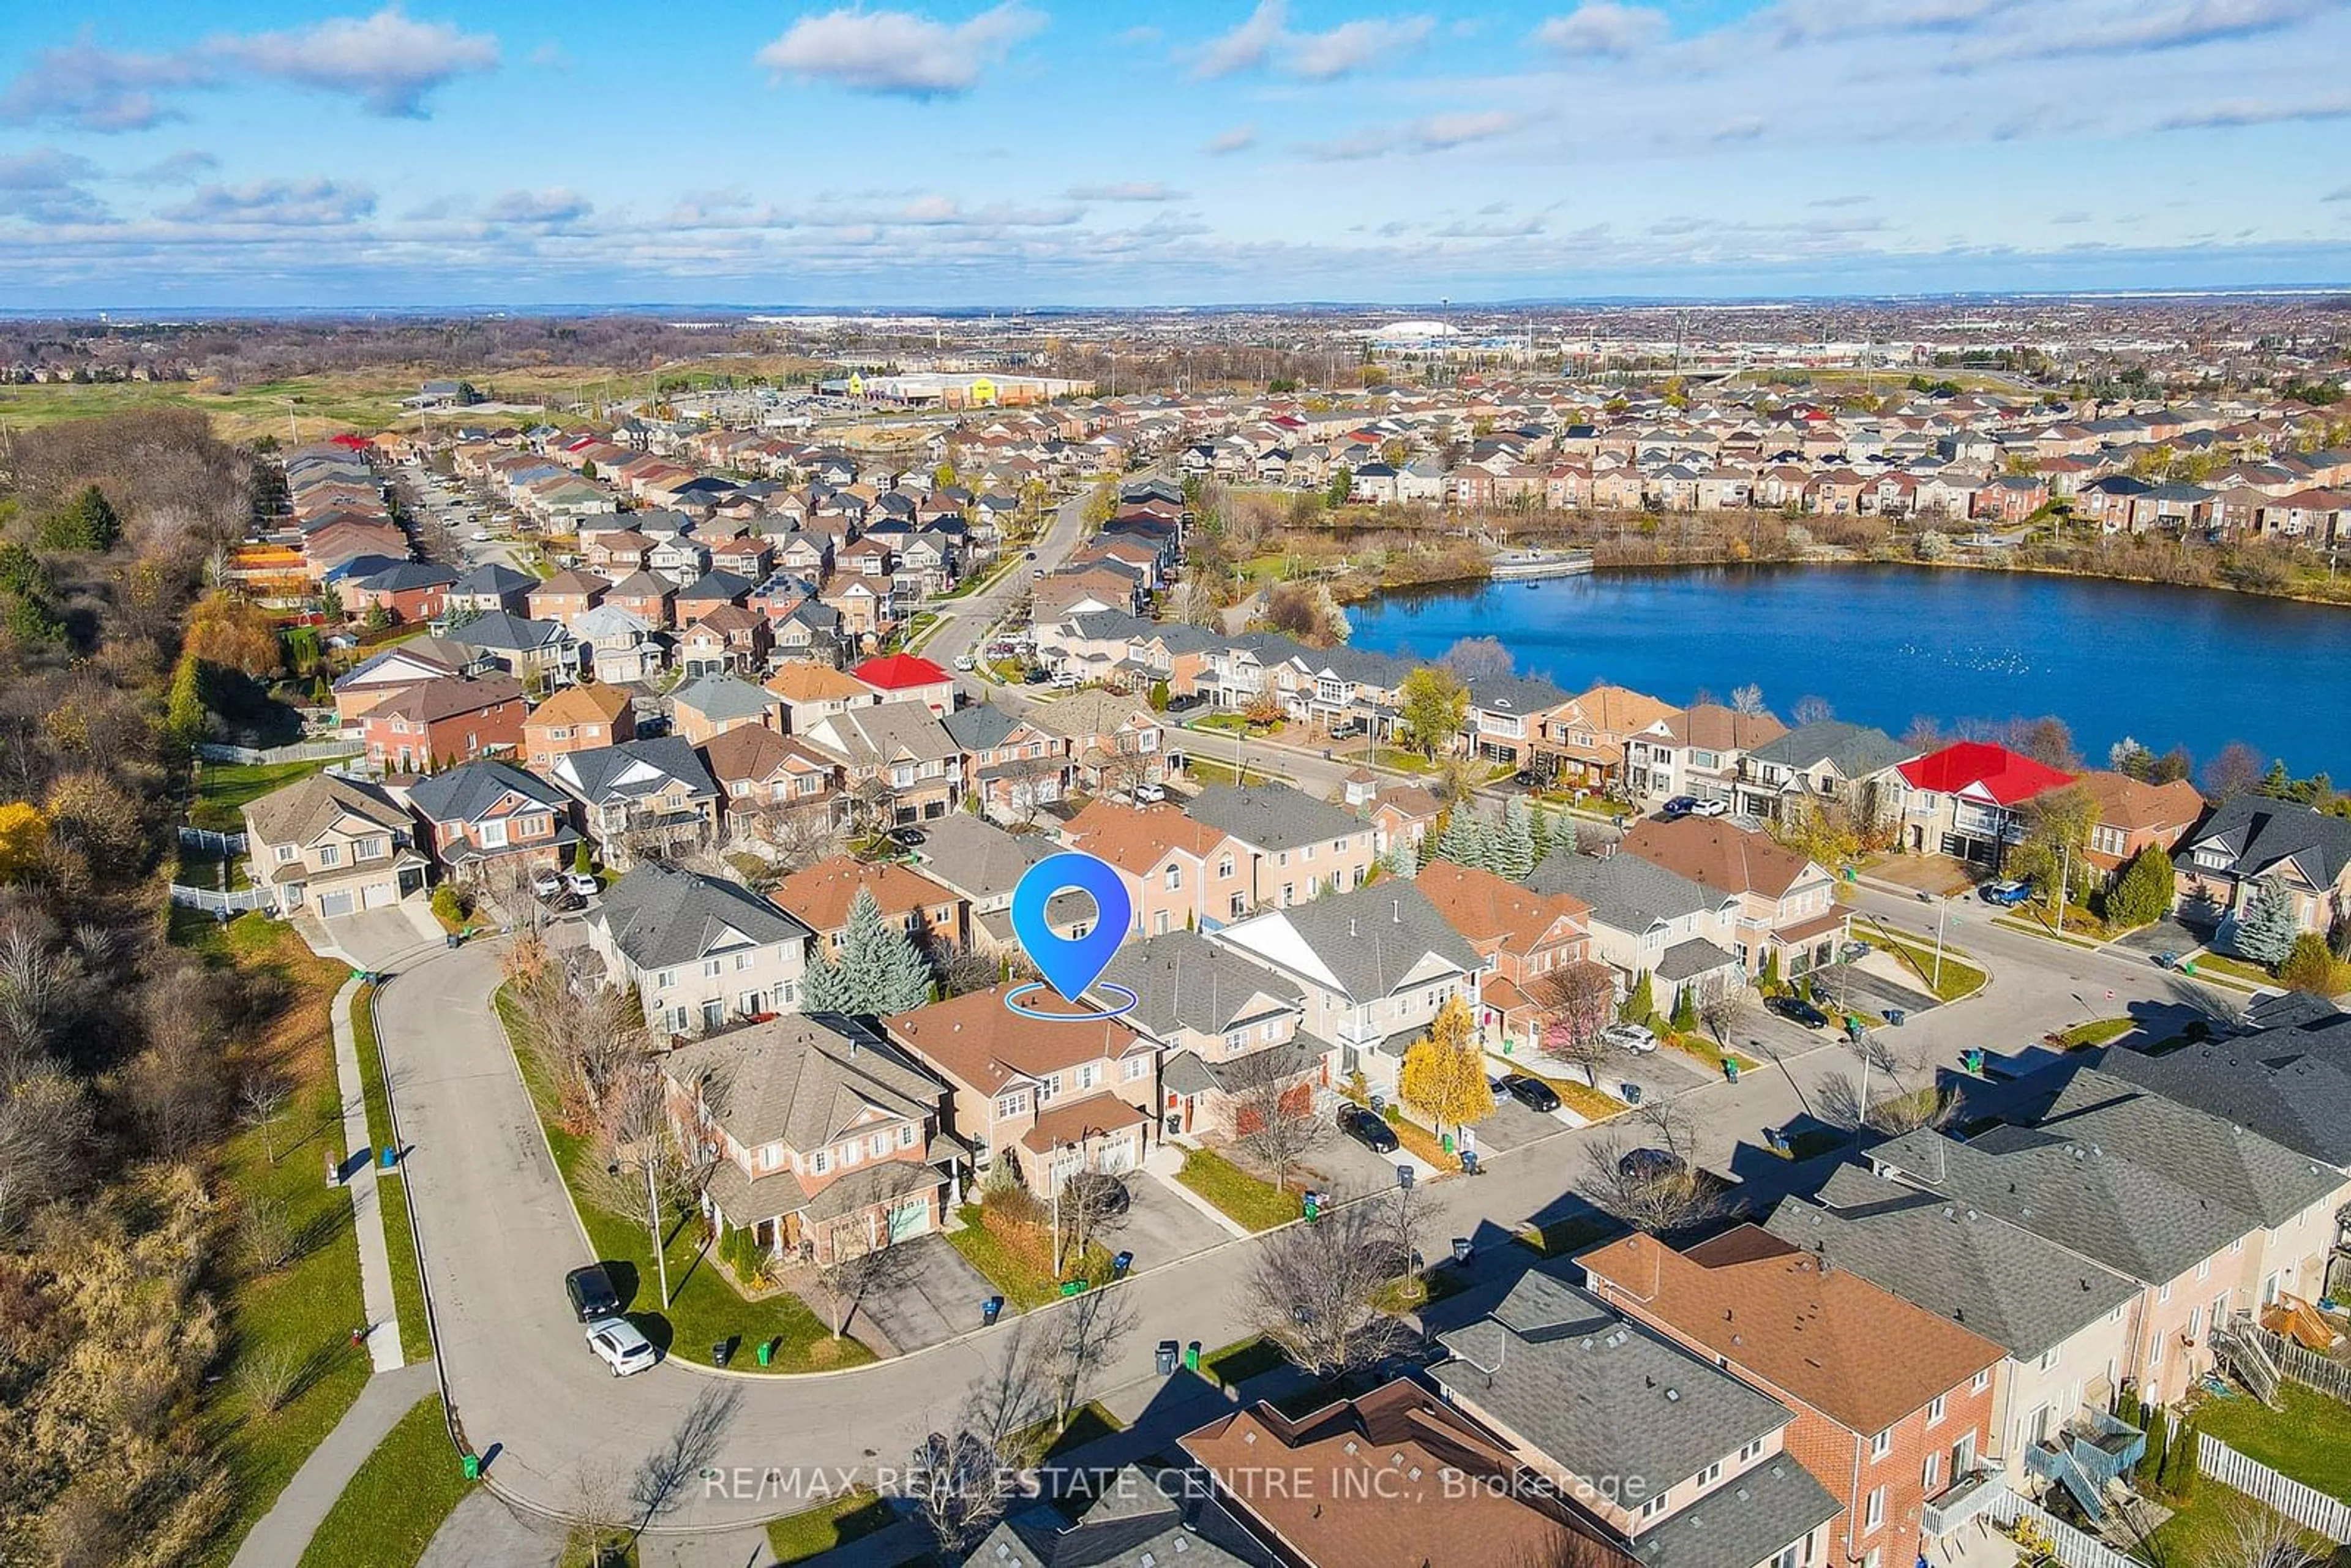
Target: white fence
2071,1547
217,901
2306,1506
300,751
218,845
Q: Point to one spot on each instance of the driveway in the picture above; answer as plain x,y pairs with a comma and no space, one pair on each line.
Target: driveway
1513,1126
1158,1226
2168,934
373,938
936,1298
1869,983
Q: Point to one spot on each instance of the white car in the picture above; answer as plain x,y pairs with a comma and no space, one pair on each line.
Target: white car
965,663
1066,679
546,884
583,883
1150,794
1630,1037
617,1342
1711,809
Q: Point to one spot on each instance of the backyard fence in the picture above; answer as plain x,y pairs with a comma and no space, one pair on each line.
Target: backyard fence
2305,1366
300,751
2067,1544
2305,1505
212,846
220,900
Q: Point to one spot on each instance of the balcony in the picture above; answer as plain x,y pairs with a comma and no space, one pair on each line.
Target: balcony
1960,1501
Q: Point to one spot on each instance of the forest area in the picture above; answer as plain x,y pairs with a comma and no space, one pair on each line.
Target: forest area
147,1064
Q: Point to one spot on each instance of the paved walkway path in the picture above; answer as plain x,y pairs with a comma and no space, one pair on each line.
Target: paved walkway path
360,1181
278,1540
484,1532
1164,1161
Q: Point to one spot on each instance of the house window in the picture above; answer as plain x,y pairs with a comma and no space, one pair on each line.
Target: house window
713,967
331,854
1708,1476
284,852
819,1162
2164,1294
851,1152
1011,1105
1872,1513
907,1135
1935,1409
1931,1473
492,836
1882,1445
1751,1452
742,961
1225,868
1051,1089
1134,1067
2049,1359
1087,1074
878,1145
1983,1381
1654,1507
1175,881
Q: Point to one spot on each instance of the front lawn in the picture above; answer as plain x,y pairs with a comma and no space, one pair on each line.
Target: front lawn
391,1191
1563,1238
1252,1204
1022,1274
290,1370
852,1516
400,1496
1959,977
1238,1363
705,1309
2211,962
2097,1031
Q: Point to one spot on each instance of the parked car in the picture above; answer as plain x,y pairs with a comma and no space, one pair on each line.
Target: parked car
1710,808
1525,780
1363,1125
1854,952
1150,794
965,663
1633,1037
546,884
1797,1010
1097,1192
1651,1165
908,838
1032,555
1532,1092
2006,894
582,882
593,1299
617,1342
1679,806
2168,959
1066,681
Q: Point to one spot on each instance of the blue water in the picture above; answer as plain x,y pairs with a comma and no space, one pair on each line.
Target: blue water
1885,644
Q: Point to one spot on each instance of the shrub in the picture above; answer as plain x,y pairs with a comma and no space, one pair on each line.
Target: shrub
2313,966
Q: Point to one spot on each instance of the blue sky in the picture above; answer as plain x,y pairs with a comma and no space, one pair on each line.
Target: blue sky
1032,153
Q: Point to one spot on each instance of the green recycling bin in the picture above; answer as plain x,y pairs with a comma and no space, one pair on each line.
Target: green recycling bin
473,1463
767,1351
1729,1070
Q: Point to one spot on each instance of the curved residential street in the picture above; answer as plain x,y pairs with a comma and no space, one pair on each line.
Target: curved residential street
498,1234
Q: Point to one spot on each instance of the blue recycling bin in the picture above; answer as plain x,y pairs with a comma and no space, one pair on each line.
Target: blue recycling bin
1895,1015
1470,1162
387,1157
990,1308
1120,1264
1629,1092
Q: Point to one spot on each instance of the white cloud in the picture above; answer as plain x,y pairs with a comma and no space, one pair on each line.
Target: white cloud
2234,112
2133,27
1439,131
1263,41
46,186
388,62
1239,139
898,52
539,209
1604,27
182,167
944,212
278,203
1123,190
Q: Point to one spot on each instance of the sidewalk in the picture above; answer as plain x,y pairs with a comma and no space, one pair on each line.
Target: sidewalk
367,1219
281,1537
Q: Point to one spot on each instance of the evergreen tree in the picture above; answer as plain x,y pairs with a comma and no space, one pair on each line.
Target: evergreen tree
1464,840
1510,853
2265,925
579,857
1540,826
2143,893
1770,979
1563,834
1685,1017
85,523
2159,1433
1398,860
879,970
2179,1468
183,711
1641,1003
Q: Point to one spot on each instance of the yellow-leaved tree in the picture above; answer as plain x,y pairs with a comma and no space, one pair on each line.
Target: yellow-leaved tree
1444,1075
23,831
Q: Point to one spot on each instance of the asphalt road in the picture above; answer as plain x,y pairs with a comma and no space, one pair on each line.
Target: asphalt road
498,1235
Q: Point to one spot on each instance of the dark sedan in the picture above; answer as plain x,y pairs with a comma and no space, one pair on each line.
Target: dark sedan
592,1292
1532,1092
1797,1010
1651,1165
1364,1125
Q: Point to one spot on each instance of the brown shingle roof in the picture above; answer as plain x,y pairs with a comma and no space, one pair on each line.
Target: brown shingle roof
1488,908
1137,838
1710,727
2126,802
821,894
1715,853
436,700
1770,1309
592,704
978,1039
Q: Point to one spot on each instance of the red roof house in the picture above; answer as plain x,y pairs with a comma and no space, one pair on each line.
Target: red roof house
908,677
1966,799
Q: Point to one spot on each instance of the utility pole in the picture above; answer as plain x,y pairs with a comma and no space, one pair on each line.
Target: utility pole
2065,882
1942,909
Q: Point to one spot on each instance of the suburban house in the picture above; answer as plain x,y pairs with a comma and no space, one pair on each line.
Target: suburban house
982,865
2252,838
1372,967
1504,719
566,597
1647,919
2066,1322
2132,815
1055,1100
1898,1440
1587,739
1179,874
1527,940
821,894
1968,800
698,949
909,677
1011,765
1670,1461
708,706
2207,1216
1137,1515
1227,1031
813,691
399,668
543,653
577,718
1393,1480
1828,764
641,797
619,647
480,818
1787,903
827,1140
443,722
755,768
491,586
1291,846
2287,1077
1695,752
334,846
897,761
1115,743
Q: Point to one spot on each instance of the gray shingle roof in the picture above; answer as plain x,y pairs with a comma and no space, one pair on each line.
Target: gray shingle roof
1183,980
303,809
874,736
1371,940
724,696
1687,960
632,768
1625,891
2290,1085
2261,833
979,858
508,632
2020,1289
660,916
1854,750
495,579
803,1080
981,726
470,788
1520,694
1136,1520
1272,816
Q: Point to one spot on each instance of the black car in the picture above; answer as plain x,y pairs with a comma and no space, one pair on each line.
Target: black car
1364,1125
1032,555
1532,1092
1650,1164
591,1294
1797,1010
908,838
1098,1192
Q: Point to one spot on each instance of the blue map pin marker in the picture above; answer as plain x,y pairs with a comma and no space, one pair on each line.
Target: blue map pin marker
1071,964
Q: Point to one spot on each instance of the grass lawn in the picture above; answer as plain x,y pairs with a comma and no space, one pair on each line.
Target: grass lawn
386,1515
705,1308
1427,1146
1959,977
2097,1031
391,1192
300,1316
223,786
1022,1285
2236,968
853,1516
1254,1205
1222,722
1814,1142
1242,1360
2038,926
1208,771
2310,1441
1710,1055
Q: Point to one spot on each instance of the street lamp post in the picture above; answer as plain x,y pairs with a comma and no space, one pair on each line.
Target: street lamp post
652,1226
1942,909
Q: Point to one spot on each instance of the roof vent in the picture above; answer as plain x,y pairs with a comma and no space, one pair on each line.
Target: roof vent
1673,1396
1351,1446
1249,1438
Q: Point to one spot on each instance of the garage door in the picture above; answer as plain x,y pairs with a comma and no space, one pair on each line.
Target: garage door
909,1219
1117,1157
379,894
333,904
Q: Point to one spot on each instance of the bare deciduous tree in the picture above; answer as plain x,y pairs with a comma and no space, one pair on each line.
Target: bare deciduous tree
260,1103
587,1035
961,1478
1624,1175
1578,1002
2254,1536
1724,1006
1316,1289
45,1125
1747,699
1272,1113
862,1265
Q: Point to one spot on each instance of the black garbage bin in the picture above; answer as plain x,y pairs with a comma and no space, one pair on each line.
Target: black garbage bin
1403,1178
722,1351
1462,1250
1169,1353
